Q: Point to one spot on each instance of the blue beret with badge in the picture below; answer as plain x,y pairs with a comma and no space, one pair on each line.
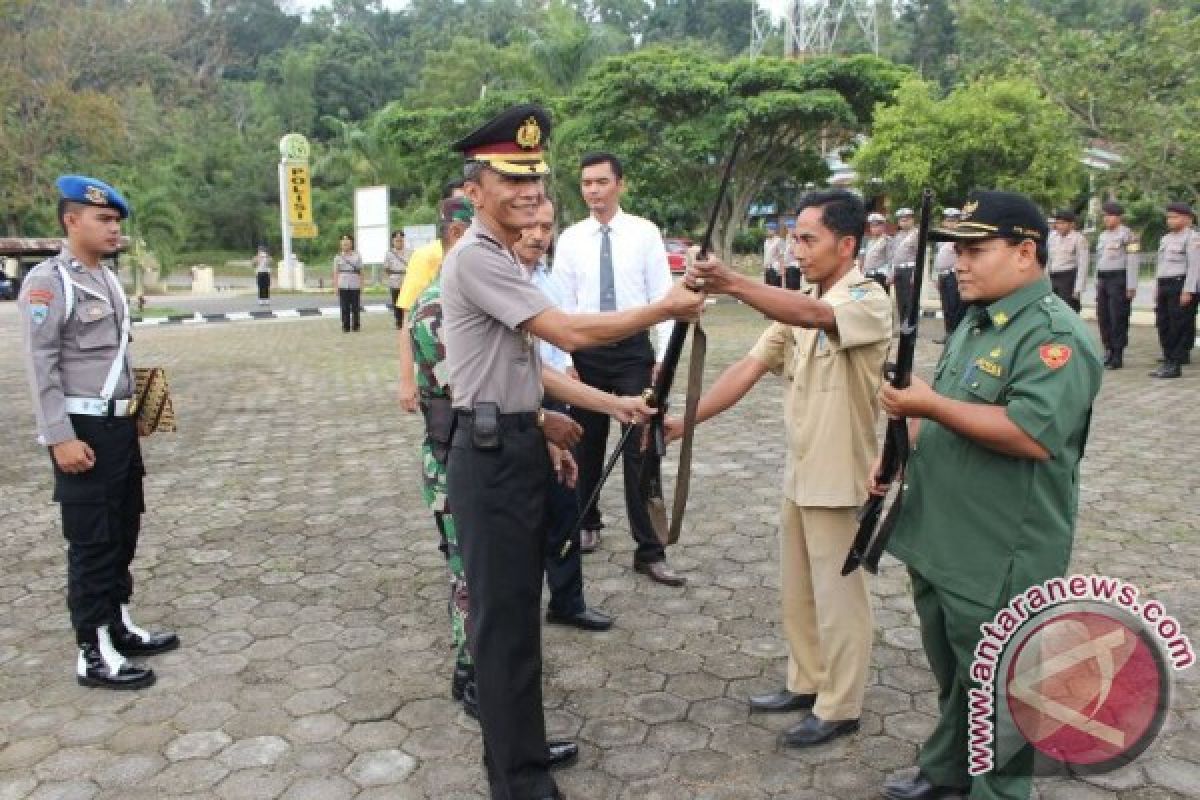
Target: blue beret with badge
91,192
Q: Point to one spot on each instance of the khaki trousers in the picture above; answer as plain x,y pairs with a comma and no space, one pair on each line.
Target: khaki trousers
826,617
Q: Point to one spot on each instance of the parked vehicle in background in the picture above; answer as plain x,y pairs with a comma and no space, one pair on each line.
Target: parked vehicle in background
677,254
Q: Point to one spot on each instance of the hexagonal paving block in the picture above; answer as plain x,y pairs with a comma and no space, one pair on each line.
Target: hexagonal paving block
381,767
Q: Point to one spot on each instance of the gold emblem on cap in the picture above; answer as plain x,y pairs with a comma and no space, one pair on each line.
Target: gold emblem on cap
529,135
95,194
969,208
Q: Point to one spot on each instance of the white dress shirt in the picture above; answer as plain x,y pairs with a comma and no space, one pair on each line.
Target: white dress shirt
548,282
640,272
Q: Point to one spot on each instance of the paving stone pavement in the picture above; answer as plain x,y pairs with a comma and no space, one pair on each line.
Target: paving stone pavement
287,544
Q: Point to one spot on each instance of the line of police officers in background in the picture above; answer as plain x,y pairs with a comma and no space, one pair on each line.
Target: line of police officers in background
889,258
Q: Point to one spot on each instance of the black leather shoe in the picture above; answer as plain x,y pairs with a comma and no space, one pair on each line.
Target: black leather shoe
561,754
660,573
131,644
1108,354
589,540
783,700
470,700
463,674
92,671
587,620
1117,361
916,787
1169,369
813,730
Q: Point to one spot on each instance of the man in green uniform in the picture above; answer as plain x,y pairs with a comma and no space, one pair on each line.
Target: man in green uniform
993,479
428,355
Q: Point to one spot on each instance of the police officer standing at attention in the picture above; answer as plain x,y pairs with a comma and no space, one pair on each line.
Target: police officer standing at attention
347,279
1068,259
1116,283
1177,284
75,325
876,258
1009,409
773,246
947,282
904,258
262,275
395,264
503,448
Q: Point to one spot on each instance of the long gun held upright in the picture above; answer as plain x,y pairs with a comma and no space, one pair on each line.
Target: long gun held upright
872,537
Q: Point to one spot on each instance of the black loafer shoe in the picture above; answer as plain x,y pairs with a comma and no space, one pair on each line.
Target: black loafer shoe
561,754
587,620
917,787
660,572
813,730
783,700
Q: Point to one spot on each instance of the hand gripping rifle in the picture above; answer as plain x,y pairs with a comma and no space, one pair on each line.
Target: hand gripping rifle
873,536
648,478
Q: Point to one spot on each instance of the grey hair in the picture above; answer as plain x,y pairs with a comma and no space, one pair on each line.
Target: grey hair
472,170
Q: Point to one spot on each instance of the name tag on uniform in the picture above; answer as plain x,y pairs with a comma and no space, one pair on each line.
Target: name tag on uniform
95,310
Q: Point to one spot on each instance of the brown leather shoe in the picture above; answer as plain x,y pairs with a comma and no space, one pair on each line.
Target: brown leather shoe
589,539
661,572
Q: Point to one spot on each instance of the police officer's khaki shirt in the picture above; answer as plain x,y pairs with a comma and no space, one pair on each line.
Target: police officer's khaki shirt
877,254
904,251
347,271
1118,250
1179,254
1068,252
70,357
486,296
831,404
395,265
945,259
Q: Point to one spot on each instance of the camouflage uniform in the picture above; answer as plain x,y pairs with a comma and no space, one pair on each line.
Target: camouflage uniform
429,356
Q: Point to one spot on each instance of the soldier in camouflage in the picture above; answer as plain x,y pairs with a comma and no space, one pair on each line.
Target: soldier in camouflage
428,350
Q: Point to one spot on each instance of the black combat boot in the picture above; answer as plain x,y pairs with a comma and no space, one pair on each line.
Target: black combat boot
131,640
100,665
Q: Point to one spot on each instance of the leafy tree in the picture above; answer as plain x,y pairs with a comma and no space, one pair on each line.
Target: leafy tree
1003,134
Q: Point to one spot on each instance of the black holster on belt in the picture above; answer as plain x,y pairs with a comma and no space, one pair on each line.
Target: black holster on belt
439,424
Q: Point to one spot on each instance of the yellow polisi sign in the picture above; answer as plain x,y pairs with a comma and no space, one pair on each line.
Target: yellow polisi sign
299,202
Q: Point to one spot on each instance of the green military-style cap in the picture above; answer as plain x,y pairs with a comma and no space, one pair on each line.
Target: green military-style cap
994,214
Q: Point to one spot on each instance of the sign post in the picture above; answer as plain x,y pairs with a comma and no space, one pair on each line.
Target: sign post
372,234
295,201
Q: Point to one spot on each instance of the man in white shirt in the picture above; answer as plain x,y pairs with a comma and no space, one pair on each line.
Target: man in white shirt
613,261
773,255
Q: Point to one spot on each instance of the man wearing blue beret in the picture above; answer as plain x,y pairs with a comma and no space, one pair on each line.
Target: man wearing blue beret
75,327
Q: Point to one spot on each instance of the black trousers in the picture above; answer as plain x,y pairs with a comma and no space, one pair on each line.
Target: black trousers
564,577
263,279
623,368
1112,310
952,304
1176,323
903,282
792,278
397,311
499,510
1063,284
101,518
350,301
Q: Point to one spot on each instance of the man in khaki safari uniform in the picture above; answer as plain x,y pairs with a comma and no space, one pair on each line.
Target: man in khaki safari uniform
830,342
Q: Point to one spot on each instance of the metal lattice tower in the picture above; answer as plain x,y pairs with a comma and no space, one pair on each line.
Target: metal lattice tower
814,26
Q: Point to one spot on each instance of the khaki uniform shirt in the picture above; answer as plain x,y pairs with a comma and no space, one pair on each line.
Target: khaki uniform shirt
347,271
877,254
945,259
1118,250
395,265
486,296
904,249
1069,252
831,404
977,523
1179,254
70,357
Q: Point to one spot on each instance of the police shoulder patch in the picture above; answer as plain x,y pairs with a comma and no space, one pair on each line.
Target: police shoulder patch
858,293
38,312
1054,356
42,297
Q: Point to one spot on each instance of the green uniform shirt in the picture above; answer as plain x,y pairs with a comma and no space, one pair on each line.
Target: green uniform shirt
978,523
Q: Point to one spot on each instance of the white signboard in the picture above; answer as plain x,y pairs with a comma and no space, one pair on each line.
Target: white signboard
372,233
417,235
